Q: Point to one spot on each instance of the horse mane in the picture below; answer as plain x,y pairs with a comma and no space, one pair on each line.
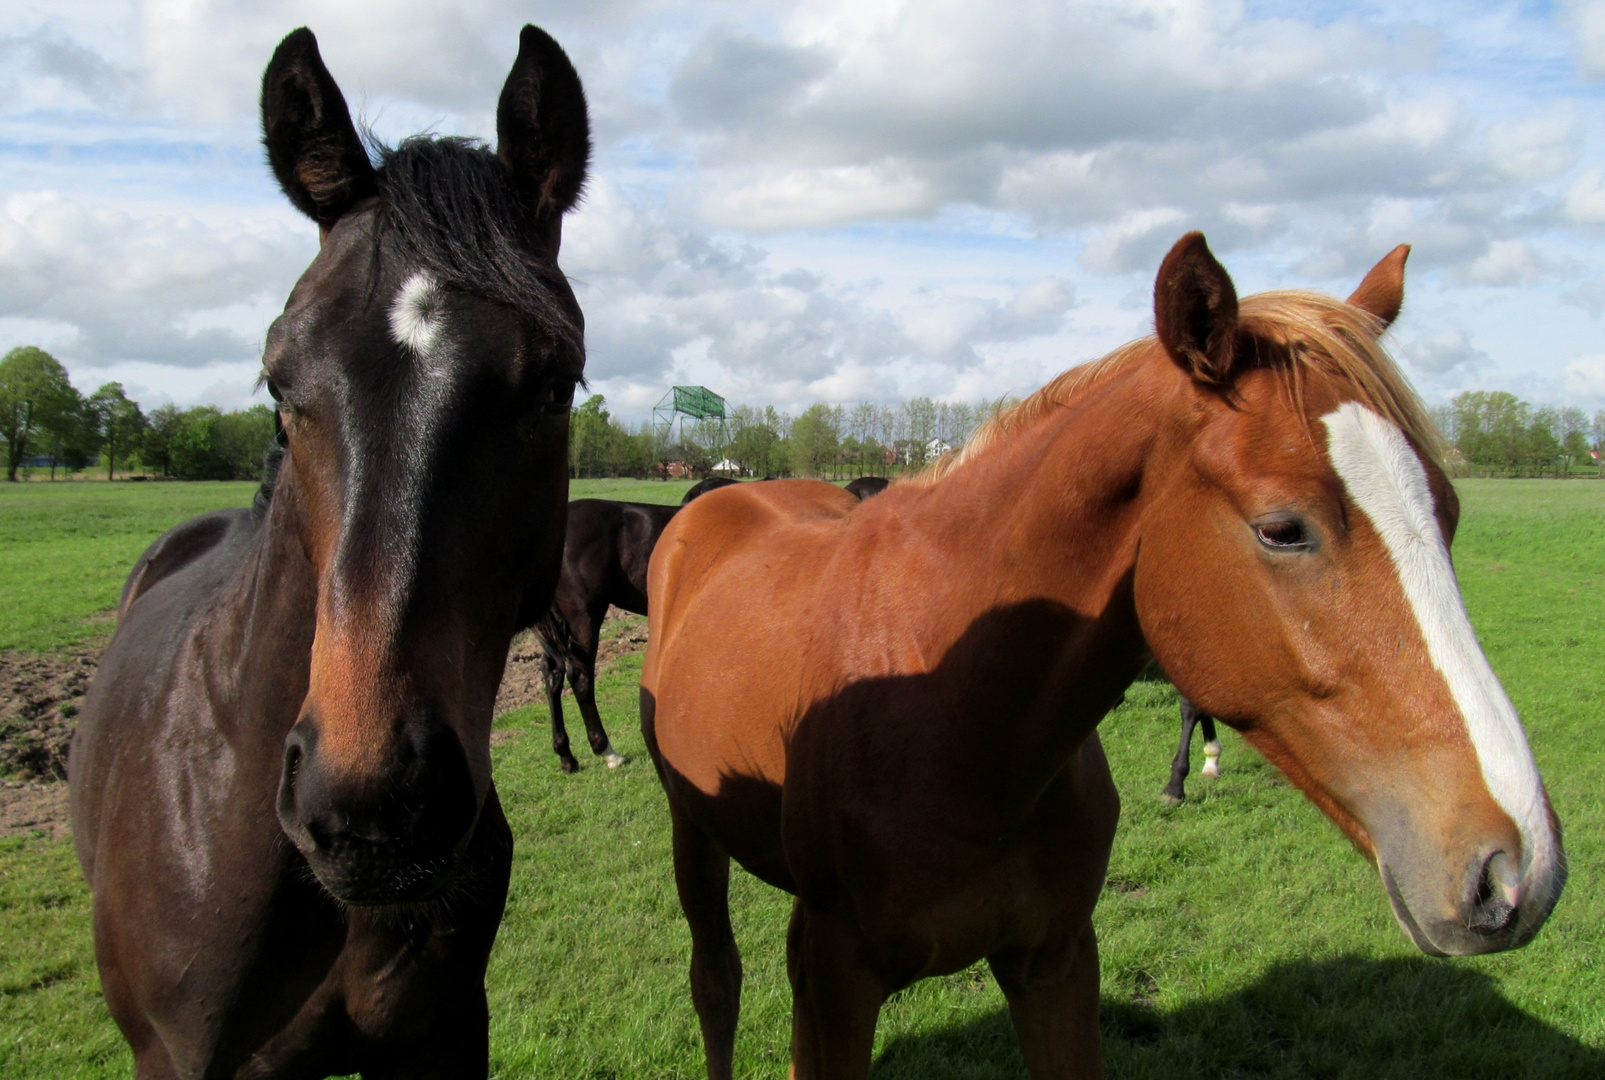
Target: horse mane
449,203
1307,331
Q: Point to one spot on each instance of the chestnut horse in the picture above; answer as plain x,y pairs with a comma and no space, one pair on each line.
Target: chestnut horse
888,708
281,789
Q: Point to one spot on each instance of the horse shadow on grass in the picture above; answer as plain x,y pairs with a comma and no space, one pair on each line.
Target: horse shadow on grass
1348,1018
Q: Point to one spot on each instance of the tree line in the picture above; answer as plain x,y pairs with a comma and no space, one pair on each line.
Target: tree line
1494,433
832,441
46,422
1489,433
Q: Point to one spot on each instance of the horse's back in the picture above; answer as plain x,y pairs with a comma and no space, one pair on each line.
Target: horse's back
781,528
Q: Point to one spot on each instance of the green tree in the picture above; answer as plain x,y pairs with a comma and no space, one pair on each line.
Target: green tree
242,441
193,446
71,435
35,396
813,441
118,422
589,432
161,426
755,448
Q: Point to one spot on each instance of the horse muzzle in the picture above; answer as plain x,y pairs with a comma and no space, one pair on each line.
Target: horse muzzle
385,828
1490,905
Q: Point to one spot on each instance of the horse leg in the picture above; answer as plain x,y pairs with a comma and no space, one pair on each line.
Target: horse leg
1211,746
702,876
1052,993
583,678
1174,793
552,669
835,999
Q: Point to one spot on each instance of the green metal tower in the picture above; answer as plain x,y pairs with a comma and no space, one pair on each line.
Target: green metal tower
695,403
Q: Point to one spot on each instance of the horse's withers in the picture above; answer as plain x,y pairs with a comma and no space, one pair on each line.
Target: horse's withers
1331,628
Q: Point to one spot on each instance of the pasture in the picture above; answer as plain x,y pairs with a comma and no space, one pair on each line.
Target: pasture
1240,935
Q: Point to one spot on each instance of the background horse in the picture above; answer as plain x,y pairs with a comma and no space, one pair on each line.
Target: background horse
1175,792
281,786
891,713
605,556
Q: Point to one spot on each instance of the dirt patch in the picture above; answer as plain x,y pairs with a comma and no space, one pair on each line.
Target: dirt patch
622,633
42,695
29,806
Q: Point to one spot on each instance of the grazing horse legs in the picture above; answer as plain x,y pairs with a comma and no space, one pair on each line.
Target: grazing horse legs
1053,1000
568,649
552,671
1190,716
582,677
702,876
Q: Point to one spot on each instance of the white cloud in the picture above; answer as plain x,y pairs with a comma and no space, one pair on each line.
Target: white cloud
1439,354
729,133
1507,262
1586,20
163,289
1585,199
1585,379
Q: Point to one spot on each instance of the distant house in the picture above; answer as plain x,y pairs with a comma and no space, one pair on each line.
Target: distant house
936,448
726,468
675,470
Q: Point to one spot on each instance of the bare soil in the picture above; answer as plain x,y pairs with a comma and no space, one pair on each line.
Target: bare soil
42,693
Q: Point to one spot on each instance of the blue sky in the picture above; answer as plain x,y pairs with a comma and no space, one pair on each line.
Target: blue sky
845,200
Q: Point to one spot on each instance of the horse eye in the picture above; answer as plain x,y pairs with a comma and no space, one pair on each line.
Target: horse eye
273,390
1281,534
559,396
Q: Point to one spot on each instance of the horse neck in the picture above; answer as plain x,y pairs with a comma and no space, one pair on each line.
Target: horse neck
1027,553
258,637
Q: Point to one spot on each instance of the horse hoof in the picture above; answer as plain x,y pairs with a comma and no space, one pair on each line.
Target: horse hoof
569,765
1211,769
614,759
1168,799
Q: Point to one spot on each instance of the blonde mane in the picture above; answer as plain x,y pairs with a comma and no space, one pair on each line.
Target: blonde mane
1313,332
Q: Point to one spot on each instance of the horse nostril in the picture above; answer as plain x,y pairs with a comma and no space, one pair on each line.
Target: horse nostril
1492,910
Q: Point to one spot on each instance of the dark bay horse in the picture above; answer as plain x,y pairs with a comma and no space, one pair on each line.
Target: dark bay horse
605,554
890,712
1191,716
281,787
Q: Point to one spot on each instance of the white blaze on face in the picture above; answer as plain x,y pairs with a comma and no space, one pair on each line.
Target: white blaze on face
416,314
1387,482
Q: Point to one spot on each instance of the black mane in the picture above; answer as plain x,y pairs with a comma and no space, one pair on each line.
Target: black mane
450,204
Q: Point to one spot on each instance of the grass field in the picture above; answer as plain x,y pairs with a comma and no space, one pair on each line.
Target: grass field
1240,934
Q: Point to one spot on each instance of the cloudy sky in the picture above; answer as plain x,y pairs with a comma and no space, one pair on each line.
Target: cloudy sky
845,200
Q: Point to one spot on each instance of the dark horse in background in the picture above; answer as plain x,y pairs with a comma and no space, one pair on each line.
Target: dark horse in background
605,556
1191,716
281,786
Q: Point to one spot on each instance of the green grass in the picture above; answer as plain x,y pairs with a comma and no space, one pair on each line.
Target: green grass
1240,934
65,549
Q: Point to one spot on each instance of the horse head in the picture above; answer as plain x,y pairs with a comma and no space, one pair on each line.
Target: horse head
1296,582
424,367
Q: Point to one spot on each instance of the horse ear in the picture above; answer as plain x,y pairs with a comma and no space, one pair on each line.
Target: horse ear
1382,291
543,130
311,143
1195,310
